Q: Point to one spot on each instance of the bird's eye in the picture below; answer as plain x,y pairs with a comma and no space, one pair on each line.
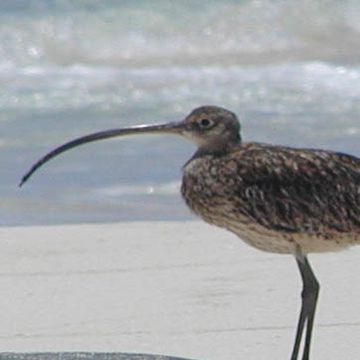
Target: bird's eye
205,123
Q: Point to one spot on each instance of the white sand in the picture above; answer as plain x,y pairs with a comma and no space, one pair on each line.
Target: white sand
177,288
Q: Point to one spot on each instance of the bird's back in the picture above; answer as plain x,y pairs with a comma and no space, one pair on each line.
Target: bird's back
276,197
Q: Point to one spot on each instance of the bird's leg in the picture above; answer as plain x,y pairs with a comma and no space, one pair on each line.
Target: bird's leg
299,332
309,296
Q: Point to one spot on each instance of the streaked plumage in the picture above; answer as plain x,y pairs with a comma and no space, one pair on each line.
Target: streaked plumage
276,198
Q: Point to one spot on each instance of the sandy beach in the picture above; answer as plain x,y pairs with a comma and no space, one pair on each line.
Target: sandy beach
183,289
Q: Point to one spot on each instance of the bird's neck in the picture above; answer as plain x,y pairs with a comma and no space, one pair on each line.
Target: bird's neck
219,148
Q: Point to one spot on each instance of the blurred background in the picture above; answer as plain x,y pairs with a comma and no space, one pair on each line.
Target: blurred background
289,69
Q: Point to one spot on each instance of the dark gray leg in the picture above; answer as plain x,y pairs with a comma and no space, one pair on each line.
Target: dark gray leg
309,299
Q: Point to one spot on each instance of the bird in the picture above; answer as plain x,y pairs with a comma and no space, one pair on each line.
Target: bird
278,199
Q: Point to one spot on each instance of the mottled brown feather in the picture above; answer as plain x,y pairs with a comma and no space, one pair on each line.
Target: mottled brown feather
297,193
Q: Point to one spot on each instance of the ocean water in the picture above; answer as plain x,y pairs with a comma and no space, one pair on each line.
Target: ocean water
289,69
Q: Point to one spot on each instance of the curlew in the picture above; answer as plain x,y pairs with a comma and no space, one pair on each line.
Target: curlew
278,199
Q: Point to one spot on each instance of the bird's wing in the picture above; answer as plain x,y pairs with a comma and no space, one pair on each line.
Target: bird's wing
296,190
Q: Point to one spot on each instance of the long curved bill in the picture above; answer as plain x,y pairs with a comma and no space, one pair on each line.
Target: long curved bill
172,127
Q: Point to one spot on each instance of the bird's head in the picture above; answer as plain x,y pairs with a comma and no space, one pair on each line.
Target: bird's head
212,128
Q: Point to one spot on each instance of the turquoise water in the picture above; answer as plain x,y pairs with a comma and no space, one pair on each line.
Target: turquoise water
289,69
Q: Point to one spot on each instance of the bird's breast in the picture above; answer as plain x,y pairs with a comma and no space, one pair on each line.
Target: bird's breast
208,188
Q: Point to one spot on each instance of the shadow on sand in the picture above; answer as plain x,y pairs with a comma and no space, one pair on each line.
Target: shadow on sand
83,356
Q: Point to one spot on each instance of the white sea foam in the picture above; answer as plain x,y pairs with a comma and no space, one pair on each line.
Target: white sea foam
169,188
142,33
